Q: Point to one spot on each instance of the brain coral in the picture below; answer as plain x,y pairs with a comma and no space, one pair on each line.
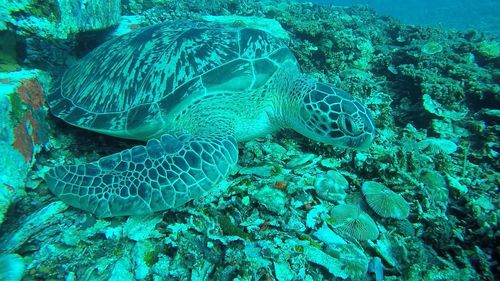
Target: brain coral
331,186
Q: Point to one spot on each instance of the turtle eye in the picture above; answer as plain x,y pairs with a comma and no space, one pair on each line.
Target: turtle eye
348,127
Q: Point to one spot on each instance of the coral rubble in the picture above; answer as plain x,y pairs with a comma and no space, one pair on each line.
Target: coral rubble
292,209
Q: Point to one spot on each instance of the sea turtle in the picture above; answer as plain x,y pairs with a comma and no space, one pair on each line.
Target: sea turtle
192,90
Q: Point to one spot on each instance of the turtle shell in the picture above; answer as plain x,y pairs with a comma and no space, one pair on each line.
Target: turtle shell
137,78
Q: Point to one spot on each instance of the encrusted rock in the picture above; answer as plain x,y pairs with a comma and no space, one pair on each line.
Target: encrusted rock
300,161
273,199
23,130
331,186
59,19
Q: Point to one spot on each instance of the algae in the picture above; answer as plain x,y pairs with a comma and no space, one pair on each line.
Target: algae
18,108
230,229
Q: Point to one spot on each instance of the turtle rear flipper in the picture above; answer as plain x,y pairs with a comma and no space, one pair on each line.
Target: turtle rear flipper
163,174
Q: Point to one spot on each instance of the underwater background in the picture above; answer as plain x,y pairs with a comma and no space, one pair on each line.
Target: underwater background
421,204
458,14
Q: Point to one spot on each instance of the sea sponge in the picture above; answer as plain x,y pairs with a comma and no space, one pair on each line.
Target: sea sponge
349,221
385,202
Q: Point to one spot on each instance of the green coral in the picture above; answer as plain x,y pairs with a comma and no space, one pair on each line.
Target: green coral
276,170
229,228
308,238
489,49
366,50
151,257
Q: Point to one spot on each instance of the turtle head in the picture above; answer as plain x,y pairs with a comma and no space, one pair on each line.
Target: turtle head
332,116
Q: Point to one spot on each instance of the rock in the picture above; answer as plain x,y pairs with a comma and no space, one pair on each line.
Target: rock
295,224
142,253
384,248
23,130
315,216
122,270
273,199
377,268
301,161
275,150
259,171
360,159
334,266
330,163
269,25
161,268
283,271
327,236
331,186
30,226
435,145
140,228
128,24
436,108
11,267
59,19
455,184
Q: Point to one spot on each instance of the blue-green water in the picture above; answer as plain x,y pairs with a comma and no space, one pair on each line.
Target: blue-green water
462,15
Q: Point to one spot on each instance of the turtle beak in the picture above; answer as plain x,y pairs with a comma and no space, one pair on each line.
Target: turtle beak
366,142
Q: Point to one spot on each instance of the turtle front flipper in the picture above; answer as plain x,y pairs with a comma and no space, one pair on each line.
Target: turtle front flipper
163,174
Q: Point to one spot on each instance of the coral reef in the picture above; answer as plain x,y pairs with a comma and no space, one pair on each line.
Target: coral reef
293,209
24,130
58,19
